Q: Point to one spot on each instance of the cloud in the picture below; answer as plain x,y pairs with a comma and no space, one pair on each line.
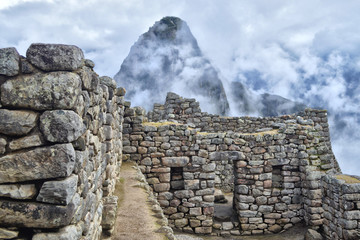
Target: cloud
303,50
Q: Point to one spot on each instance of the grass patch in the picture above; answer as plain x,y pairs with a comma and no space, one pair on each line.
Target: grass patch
120,183
347,178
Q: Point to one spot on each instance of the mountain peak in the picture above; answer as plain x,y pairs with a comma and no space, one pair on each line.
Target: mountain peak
167,58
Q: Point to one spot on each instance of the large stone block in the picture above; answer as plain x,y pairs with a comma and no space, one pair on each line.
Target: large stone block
16,122
37,215
55,90
58,192
61,125
39,163
175,161
9,61
55,57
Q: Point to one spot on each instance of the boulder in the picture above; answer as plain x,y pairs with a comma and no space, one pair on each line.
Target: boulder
16,122
55,90
61,125
37,215
39,163
58,192
55,57
9,61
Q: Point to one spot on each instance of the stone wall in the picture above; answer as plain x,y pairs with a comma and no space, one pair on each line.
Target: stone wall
60,145
341,206
187,111
278,169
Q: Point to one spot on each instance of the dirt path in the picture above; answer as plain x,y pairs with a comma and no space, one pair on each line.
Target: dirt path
295,233
135,219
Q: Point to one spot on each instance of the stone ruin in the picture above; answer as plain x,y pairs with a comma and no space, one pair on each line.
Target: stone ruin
64,132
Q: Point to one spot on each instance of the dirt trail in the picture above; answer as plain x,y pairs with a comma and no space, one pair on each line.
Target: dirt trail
135,219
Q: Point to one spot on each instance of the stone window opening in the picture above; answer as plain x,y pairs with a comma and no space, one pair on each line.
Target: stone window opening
176,178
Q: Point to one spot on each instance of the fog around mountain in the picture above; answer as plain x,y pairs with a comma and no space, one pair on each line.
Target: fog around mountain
167,58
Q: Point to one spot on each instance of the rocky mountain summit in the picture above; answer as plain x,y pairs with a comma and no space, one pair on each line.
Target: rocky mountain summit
168,58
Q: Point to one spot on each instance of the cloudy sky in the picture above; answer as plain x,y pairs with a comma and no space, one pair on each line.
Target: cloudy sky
304,50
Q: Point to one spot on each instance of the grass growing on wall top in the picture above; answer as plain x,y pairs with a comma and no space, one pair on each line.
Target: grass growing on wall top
158,124
347,178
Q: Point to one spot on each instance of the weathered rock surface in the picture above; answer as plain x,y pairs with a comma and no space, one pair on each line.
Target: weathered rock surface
55,57
3,143
58,192
61,125
9,61
16,122
40,163
313,235
55,90
8,234
109,212
36,215
90,79
33,140
18,191
67,233
108,81
175,161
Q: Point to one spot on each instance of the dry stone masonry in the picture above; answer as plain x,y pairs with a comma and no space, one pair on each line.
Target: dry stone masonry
276,168
64,132
60,145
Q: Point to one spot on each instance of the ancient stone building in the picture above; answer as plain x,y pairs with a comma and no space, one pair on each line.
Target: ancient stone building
64,132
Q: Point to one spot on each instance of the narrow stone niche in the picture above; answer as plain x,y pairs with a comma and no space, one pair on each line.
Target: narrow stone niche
177,180
277,178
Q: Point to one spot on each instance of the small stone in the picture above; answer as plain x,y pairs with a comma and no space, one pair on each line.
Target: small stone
17,122
275,228
55,57
120,92
8,234
89,63
181,222
18,191
108,81
58,192
33,140
313,235
61,125
9,62
227,226
3,144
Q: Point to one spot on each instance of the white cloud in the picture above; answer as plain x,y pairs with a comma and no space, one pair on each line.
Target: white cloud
299,49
